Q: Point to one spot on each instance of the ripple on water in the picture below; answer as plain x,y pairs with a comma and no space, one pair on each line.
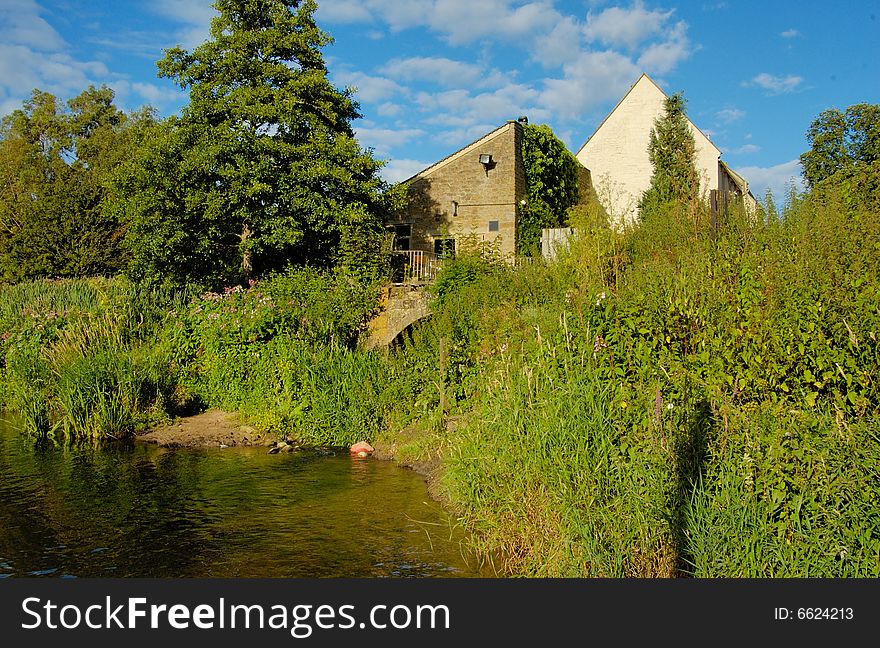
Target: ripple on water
151,512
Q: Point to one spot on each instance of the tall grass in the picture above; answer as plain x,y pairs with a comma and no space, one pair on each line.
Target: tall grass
77,359
673,401
281,354
664,401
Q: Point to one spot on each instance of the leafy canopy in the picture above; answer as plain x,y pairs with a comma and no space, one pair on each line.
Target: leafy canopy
842,141
262,168
55,161
552,180
672,152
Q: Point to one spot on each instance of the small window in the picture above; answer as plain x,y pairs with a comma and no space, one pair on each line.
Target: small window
444,248
402,236
493,226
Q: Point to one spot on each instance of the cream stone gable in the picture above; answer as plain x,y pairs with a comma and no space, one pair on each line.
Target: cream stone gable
617,153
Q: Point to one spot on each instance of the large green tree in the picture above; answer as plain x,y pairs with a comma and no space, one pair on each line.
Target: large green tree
842,142
553,182
262,167
672,151
55,161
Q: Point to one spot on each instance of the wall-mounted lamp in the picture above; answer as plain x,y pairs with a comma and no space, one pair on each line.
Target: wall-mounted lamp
486,161
455,208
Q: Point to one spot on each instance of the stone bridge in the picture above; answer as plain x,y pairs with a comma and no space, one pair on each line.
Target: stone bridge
402,306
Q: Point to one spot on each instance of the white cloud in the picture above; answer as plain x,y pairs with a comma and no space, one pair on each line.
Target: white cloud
458,137
34,55
776,84
195,15
556,46
617,26
476,114
158,96
660,58
457,21
131,96
382,140
443,71
745,149
776,178
790,33
21,23
343,11
370,89
399,170
730,115
389,109
22,69
589,80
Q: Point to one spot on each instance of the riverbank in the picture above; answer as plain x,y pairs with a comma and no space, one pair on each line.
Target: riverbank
665,402
211,429
218,429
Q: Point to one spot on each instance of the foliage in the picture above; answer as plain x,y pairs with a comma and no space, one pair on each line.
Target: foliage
262,169
280,353
552,181
75,361
54,164
842,142
671,150
710,411
461,271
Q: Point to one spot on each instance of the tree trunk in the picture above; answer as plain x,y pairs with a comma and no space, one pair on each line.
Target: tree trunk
247,266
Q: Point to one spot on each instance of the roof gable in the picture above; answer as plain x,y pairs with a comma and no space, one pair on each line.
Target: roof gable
643,79
462,151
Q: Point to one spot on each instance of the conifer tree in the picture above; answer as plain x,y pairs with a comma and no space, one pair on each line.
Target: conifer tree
672,152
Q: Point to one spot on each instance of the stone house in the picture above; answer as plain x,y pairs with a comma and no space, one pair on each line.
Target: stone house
617,156
468,198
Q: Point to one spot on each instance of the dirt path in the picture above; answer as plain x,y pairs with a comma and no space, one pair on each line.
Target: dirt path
212,429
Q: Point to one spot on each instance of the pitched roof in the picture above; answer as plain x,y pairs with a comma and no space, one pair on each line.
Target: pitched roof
623,99
454,156
741,183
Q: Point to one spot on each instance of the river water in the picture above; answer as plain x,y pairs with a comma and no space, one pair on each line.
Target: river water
143,511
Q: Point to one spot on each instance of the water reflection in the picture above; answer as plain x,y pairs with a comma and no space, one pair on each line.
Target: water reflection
142,511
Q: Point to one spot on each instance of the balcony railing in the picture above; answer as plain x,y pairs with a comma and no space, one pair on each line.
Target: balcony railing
414,266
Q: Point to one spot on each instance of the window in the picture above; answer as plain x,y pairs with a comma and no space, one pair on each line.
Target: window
444,248
493,226
402,236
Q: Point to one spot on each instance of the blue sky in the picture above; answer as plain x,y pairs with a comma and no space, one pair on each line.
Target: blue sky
433,75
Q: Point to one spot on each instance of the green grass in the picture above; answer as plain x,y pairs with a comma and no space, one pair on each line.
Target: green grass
664,401
668,401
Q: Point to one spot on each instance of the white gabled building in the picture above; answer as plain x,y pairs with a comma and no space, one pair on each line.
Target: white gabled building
617,155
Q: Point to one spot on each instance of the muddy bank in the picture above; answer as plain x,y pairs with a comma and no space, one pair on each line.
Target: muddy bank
219,429
211,429
429,469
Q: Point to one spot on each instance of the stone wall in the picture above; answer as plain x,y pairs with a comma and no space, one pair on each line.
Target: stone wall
401,306
461,198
